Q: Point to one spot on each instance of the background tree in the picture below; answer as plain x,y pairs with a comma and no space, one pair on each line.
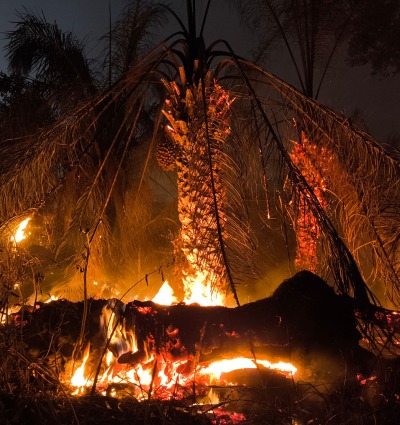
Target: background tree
310,32
375,36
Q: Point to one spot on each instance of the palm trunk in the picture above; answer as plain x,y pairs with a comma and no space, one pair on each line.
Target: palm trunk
197,245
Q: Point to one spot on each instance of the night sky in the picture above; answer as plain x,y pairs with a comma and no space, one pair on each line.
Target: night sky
344,90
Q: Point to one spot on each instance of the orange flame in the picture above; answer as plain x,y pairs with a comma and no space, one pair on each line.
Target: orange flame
228,365
78,380
19,234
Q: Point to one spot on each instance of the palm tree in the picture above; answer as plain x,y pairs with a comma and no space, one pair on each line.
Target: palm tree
224,119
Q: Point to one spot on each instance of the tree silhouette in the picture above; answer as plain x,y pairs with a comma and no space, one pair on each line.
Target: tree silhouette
374,36
310,32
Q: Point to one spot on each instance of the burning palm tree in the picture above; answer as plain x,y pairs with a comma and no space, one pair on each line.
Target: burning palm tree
227,127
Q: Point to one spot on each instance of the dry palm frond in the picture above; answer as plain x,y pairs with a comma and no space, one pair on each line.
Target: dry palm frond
32,167
366,182
130,37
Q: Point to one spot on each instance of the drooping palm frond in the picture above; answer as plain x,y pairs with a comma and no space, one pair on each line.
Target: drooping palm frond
369,178
33,166
366,181
130,37
71,169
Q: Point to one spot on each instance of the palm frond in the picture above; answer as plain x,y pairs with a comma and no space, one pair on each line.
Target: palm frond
40,47
131,36
366,168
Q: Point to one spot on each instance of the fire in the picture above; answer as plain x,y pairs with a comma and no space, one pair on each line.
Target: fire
304,156
20,231
165,296
228,365
51,298
134,362
78,380
198,290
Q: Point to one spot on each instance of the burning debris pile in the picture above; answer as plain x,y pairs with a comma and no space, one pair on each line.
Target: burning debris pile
191,359
147,348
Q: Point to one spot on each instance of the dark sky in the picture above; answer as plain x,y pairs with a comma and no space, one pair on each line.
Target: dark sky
345,88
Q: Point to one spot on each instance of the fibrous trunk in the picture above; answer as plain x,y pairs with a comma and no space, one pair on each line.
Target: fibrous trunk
197,131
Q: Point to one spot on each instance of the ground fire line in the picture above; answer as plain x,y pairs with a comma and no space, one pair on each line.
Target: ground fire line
147,349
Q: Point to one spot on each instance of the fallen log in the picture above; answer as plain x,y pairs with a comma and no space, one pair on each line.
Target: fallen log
303,314
303,317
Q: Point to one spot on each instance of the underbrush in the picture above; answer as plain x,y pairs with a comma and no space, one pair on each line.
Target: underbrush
32,393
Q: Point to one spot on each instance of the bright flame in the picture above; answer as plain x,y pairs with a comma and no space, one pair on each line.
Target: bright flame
198,290
165,295
228,365
78,380
135,361
20,231
52,298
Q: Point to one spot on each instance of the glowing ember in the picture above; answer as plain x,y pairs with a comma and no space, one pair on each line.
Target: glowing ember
165,296
20,231
313,162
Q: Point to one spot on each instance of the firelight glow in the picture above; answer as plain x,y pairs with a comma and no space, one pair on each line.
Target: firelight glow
20,231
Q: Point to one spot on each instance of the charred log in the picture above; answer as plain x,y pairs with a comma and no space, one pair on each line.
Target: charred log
302,316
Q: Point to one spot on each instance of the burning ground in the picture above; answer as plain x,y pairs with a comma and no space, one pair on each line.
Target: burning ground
294,357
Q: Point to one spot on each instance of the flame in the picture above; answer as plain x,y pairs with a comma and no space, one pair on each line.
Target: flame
78,380
165,295
52,298
228,365
198,290
146,370
20,231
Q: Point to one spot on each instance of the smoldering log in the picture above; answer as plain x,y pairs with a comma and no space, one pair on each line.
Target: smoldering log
302,316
